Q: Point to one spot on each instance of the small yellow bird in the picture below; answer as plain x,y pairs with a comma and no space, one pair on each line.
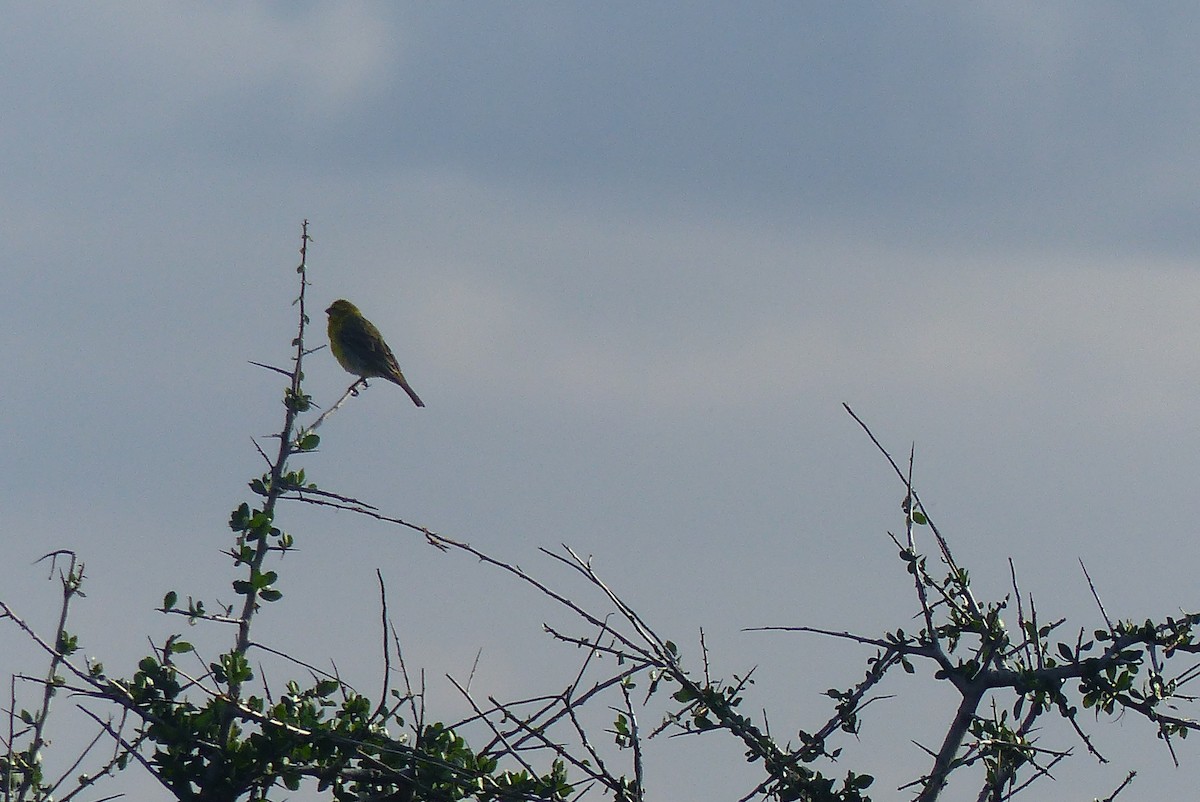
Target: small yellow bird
360,349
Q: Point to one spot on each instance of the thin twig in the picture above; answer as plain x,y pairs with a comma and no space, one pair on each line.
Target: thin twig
1096,596
352,390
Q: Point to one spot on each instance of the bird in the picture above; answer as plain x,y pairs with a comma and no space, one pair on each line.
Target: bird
360,349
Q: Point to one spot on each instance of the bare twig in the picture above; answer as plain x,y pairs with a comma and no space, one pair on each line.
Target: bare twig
1096,596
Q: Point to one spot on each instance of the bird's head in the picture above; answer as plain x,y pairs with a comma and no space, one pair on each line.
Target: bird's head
341,309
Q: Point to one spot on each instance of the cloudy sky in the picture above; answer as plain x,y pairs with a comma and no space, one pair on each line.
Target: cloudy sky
634,257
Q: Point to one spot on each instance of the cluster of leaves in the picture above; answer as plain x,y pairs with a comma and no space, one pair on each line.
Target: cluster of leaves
325,733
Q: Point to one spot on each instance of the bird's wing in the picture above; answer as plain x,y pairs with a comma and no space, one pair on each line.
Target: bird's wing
359,335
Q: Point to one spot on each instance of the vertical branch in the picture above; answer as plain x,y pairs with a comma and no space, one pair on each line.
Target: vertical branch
635,741
293,407
9,767
294,404
944,762
387,655
70,587
918,575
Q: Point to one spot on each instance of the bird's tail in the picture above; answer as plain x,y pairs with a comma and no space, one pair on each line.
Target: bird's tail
411,392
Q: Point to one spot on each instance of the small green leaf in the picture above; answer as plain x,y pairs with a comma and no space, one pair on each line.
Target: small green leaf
237,520
683,695
263,580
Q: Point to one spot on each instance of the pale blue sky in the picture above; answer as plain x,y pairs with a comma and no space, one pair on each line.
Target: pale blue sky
634,257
